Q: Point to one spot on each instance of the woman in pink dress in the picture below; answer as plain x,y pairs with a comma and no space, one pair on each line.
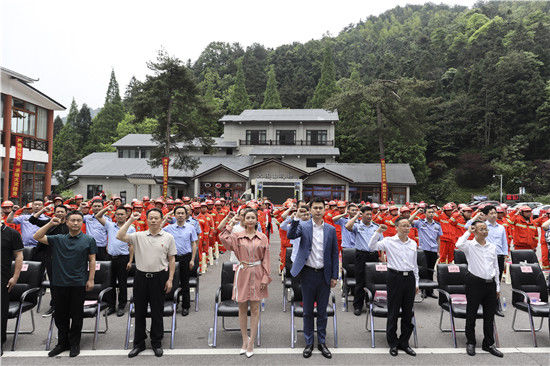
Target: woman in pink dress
251,248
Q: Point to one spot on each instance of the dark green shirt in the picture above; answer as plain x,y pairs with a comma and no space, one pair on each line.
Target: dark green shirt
70,258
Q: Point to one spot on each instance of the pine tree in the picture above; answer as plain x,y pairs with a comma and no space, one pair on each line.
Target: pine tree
83,123
272,100
238,97
66,153
57,125
327,83
113,94
73,114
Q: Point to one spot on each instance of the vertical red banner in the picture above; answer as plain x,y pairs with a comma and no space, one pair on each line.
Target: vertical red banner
384,187
165,164
17,164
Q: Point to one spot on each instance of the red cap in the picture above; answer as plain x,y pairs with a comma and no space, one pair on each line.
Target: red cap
145,198
7,204
79,196
341,204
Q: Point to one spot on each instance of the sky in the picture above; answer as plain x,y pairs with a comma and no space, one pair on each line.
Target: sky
71,46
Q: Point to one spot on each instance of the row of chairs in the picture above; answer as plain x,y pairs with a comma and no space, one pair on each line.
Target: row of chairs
28,292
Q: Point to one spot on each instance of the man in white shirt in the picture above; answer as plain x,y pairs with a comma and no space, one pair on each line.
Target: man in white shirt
402,284
482,286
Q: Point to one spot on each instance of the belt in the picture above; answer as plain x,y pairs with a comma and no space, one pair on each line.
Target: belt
119,255
240,266
490,280
314,269
149,274
363,251
402,273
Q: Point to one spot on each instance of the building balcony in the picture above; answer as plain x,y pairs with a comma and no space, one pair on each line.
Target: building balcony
28,142
279,142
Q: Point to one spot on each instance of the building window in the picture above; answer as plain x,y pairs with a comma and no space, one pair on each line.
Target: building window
286,137
316,137
93,190
398,195
33,175
312,163
145,153
129,153
28,119
42,124
255,137
364,193
123,196
327,192
229,151
120,154
1,113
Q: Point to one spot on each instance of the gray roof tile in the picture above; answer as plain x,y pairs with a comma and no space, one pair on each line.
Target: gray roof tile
145,140
250,115
371,172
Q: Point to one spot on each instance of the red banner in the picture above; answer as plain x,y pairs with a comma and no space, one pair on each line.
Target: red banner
384,188
165,164
17,164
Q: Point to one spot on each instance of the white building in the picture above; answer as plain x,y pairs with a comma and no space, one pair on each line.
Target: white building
275,153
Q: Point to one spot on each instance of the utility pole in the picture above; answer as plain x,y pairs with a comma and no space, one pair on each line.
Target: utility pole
499,175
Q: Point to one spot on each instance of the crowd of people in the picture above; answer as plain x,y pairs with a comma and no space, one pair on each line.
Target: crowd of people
69,236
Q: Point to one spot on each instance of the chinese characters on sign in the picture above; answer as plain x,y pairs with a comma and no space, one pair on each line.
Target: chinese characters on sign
165,163
17,164
384,188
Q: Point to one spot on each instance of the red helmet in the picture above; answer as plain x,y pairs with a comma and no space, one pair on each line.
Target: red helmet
128,206
209,202
178,201
447,207
501,209
170,202
145,198
341,204
222,199
332,203
525,209
186,199
79,197
7,204
461,205
504,205
422,205
404,209
61,199
138,204
159,200
195,205
383,207
116,198
218,202
374,205
203,204
467,208
392,208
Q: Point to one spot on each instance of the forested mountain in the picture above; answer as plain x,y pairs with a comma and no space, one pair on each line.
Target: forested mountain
460,94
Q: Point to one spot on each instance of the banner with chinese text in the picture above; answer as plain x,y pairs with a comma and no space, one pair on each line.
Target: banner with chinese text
165,163
17,164
384,188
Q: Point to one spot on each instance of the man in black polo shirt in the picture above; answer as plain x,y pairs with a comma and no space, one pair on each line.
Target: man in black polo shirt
12,247
71,254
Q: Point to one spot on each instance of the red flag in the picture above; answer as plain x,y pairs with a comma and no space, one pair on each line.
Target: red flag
17,164
384,188
165,164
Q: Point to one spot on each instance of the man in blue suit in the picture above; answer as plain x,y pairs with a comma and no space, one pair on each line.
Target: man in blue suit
316,267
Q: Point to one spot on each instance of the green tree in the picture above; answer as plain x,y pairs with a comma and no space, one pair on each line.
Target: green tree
171,96
327,83
66,153
83,123
238,97
73,113
57,125
113,93
272,100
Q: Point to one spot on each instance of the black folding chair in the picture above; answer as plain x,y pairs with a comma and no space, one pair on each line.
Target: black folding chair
450,278
460,257
24,296
102,285
225,307
524,255
28,253
528,280
169,309
287,277
425,274
131,274
348,274
194,277
297,310
376,278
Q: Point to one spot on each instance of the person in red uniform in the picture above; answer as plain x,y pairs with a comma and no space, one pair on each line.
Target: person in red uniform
405,212
459,220
209,226
141,223
389,221
147,204
525,231
285,242
329,214
543,217
502,219
447,242
340,210
7,207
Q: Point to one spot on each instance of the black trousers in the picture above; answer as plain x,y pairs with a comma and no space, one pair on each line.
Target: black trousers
314,290
119,279
149,290
431,259
361,257
500,259
102,254
69,308
480,292
43,253
5,306
401,290
184,279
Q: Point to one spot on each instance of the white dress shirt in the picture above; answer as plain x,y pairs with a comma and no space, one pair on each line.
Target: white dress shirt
482,259
401,255
315,258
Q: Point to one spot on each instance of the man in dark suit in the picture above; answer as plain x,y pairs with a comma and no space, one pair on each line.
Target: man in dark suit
316,265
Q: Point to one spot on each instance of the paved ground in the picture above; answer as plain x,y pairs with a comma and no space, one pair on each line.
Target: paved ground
191,344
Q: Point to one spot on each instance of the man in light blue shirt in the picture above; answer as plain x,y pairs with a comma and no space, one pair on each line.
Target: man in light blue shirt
27,229
186,238
348,237
96,230
429,238
121,255
363,232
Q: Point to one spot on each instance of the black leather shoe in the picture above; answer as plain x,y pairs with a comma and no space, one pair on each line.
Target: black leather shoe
111,311
75,351
158,351
408,350
57,350
136,351
432,295
499,313
471,349
493,350
393,351
357,312
324,350
120,312
308,351
184,312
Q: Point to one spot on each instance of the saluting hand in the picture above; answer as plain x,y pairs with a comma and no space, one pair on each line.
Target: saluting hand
135,216
333,283
55,221
15,208
382,228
